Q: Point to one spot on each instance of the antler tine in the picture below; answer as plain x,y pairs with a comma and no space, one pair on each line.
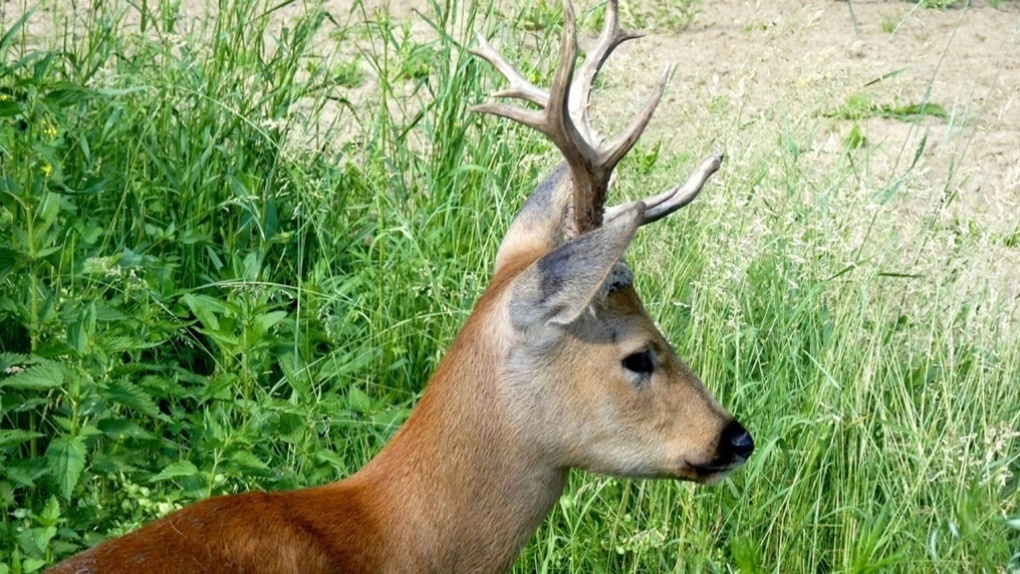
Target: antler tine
611,37
665,203
562,130
612,155
520,88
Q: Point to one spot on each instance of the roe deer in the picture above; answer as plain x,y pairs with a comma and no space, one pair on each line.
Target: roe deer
559,366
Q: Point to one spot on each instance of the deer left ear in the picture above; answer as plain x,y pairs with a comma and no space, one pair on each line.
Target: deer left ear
563,283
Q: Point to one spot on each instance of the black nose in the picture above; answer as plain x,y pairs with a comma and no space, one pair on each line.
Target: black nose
735,442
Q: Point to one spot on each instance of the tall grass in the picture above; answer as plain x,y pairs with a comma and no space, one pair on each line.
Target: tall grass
223,267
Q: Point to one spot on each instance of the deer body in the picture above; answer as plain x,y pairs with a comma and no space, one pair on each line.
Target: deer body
558,366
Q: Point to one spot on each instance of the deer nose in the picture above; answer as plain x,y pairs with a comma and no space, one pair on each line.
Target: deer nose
736,443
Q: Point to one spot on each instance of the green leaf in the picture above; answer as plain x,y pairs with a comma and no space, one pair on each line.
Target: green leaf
295,371
47,251
123,343
248,461
390,418
252,265
10,108
48,210
267,320
108,463
25,471
90,232
112,92
25,405
121,429
331,458
131,396
14,437
912,111
351,362
42,67
68,94
80,330
358,400
179,469
10,187
106,313
37,377
205,309
50,514
42,536
855,139
66,458
8,360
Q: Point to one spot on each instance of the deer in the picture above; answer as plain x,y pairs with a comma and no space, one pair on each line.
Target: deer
558,366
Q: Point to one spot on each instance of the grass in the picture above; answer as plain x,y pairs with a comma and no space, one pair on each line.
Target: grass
205,244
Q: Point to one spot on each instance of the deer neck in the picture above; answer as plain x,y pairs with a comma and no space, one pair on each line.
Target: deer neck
461,483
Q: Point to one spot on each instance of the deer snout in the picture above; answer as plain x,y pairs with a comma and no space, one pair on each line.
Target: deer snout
735,443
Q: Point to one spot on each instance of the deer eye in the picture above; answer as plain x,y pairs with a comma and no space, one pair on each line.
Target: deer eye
640,363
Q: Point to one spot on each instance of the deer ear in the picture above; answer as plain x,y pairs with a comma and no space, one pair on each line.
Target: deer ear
562,284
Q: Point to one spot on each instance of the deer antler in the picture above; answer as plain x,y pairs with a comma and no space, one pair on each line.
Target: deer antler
563,118
564,114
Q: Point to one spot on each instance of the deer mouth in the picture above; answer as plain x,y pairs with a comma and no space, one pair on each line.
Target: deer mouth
707,473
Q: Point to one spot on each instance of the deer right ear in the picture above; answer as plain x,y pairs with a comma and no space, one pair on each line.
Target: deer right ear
562,284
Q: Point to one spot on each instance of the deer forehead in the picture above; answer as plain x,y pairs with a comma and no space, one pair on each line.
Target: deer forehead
616,324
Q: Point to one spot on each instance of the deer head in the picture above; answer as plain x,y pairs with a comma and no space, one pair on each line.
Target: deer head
583,356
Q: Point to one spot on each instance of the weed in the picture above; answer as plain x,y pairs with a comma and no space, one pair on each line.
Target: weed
859,106
889,23
541,15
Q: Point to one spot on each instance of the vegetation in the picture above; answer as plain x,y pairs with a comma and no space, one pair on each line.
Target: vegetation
222,269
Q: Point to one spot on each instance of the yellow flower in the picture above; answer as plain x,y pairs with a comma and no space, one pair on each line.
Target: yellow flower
49,129
47,169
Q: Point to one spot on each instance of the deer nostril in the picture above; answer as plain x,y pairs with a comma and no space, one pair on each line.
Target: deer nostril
736,441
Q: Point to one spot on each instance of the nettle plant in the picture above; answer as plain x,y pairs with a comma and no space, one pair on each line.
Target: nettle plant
114,360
